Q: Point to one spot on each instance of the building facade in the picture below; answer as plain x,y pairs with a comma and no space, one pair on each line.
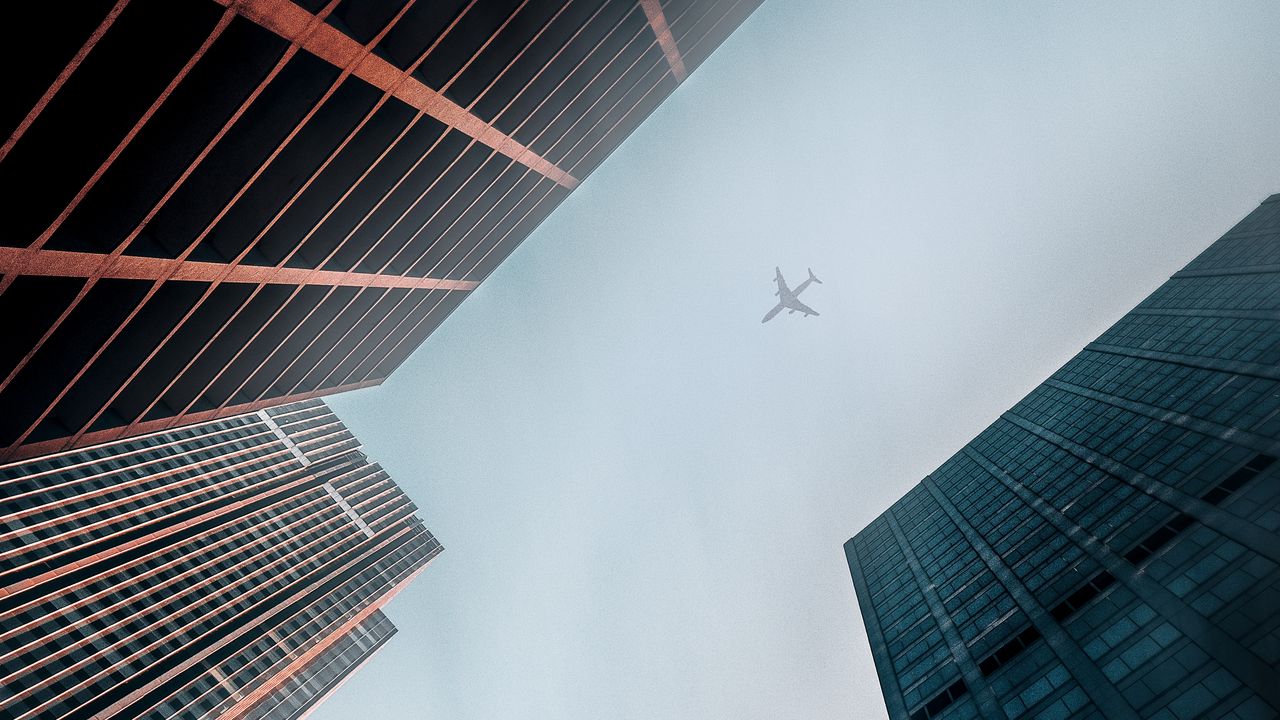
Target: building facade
1110,546
230,569
216,206
294,698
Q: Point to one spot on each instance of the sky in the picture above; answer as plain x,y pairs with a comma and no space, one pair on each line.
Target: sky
642,491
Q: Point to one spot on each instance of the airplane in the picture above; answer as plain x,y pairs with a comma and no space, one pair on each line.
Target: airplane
788,298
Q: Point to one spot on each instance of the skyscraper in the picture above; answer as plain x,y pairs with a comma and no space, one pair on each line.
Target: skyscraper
1110,546
232,569
297,695
215,207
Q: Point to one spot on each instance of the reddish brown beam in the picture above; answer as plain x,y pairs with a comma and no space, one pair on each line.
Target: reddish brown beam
418,303
392,227
7,278
236,314
658,21
365,51
62,78
291,593
610,132
421,301
540,134
404,176
305,657
416,317
337,248
414,204
235,263
328,43
115,258
285,304
407,173
217,31
356,60
227,271
321,333
63,263
139,428
333,154
48,232
624,75
422,317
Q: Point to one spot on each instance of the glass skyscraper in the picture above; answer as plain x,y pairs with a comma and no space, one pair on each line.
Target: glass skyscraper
217,212
280,200
231,569
296,696
1110,546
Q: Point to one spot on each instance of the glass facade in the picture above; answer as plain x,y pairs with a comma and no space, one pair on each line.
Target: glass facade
286,198
196,573
293,698
1110,546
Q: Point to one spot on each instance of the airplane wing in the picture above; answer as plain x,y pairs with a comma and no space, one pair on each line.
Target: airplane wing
804,308
782,284
769,316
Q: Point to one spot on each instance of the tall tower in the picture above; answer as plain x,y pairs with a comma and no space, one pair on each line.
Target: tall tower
217,206
1110,546
230,569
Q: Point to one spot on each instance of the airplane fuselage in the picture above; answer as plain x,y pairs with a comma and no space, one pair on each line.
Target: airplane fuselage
788,299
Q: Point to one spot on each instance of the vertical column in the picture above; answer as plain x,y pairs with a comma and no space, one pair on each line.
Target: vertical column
987,704
667,41
1243,663
1100,690
284,437
879,648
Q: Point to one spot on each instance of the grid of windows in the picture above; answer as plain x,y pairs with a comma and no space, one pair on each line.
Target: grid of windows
303,191
1255,340
1128,508
192,573
301,691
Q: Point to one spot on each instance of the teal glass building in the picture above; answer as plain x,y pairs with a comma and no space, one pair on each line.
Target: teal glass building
1110,546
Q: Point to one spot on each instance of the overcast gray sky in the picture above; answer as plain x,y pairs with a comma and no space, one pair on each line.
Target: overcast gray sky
642,490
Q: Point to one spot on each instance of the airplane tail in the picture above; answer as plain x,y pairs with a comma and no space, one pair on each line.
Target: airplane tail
814,277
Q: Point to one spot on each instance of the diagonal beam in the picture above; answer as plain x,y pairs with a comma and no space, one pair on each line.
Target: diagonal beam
307,655
62,78
290,22
429,313
546,96
417,315
46,447
7,278
658,21
316,22
63,263
106,164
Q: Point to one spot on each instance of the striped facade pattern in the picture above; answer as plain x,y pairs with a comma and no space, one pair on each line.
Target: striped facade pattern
1110,546
205,572
217,206
294,698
